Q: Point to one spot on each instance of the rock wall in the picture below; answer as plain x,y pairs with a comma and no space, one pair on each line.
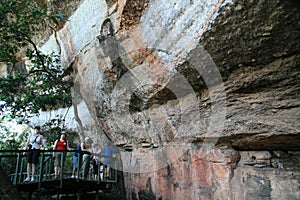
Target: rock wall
201,97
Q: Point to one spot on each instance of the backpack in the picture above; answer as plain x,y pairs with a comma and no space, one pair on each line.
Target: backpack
76,153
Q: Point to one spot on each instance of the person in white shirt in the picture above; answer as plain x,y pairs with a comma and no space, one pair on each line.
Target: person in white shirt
34,143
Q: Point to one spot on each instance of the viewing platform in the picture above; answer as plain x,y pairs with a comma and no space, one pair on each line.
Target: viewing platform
46,186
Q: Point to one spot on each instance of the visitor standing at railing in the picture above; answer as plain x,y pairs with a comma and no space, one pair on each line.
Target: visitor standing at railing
96,160
87,150
34,143
76,161
108,159
62,145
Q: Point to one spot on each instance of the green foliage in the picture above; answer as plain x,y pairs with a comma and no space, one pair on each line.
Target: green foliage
46,84
19,21
41,84
12,136
13,140
44,88
53,129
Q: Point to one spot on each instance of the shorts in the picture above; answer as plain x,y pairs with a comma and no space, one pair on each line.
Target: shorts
58,157
33,156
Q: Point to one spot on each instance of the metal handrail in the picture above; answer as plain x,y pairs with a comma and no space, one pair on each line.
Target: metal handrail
46,163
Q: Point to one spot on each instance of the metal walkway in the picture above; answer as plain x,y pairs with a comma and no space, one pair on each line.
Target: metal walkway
46,187
71,187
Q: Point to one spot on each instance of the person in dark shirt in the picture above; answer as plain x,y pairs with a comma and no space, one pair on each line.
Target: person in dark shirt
75,162
96,160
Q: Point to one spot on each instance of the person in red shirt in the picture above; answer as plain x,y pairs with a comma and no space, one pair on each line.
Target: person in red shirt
62,145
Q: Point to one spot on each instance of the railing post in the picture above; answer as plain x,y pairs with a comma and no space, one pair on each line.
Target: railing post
103,172
21,170
61,168
116,173
79,164
98,172
51,164
41,171
46,170
17,169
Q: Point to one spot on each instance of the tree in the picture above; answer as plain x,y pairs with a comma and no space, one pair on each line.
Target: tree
43,83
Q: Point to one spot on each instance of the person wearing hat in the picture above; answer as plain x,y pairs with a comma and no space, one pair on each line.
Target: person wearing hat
60,144
34,143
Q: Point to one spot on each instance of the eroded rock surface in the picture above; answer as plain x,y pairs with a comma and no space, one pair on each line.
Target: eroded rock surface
201,97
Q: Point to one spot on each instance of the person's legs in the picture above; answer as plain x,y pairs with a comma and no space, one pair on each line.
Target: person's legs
107,171
96,172
57,165
74,172
88,165
84,157
29,162
85,165
35,160
32,171
95,169
28,172
56,172
75,166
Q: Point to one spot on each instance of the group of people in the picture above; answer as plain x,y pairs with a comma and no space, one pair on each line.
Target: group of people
91,154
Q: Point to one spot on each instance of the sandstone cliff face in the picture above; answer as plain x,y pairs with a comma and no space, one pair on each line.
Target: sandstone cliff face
202,97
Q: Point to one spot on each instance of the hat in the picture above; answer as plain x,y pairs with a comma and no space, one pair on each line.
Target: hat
88,140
